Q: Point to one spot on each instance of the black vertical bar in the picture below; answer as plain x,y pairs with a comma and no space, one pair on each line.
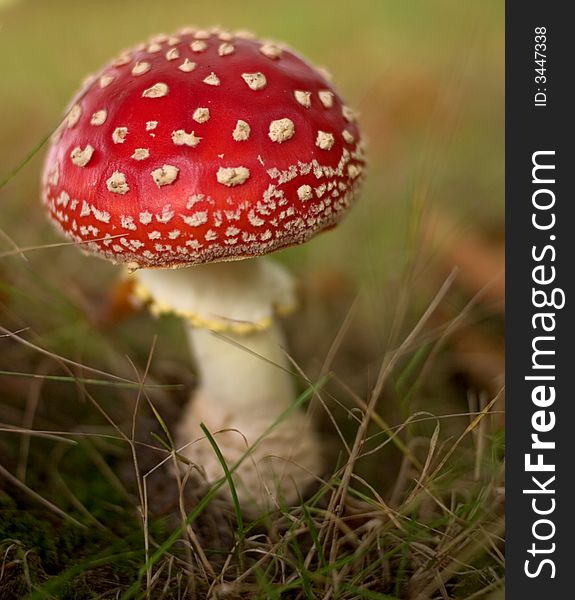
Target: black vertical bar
540,265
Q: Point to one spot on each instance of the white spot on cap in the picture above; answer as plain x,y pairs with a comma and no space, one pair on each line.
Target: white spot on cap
141,67
305,192
165,175
348,113
106,80
241,131
145,217
194,199
85,231
353,171
232,231
187,66
226,49
320,190
232,176
271,50
326,98
151,125
99,117
304,98
201,115
324,140
347,136
63,199
255,81
81,157
156,91
254,219
154,47
117,183
181,138
198,46
172,54
74,115
127,222
198,218
119,135
281,130
167,214
202,34
212,79
124,59
244,35
173,40
141,154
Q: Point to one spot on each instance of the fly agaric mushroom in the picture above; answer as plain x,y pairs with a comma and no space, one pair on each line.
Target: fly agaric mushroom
196,150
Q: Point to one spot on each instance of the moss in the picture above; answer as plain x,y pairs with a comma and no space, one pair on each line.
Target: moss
57,554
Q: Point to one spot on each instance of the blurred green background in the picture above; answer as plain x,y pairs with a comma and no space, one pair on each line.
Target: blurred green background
427,77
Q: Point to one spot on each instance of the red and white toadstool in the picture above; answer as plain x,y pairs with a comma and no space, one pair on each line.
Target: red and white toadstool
196,150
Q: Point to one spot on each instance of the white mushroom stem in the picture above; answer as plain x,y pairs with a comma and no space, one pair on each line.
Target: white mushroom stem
239,372
245,387
245,378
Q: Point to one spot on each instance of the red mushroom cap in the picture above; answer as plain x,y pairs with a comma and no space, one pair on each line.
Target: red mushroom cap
200,147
